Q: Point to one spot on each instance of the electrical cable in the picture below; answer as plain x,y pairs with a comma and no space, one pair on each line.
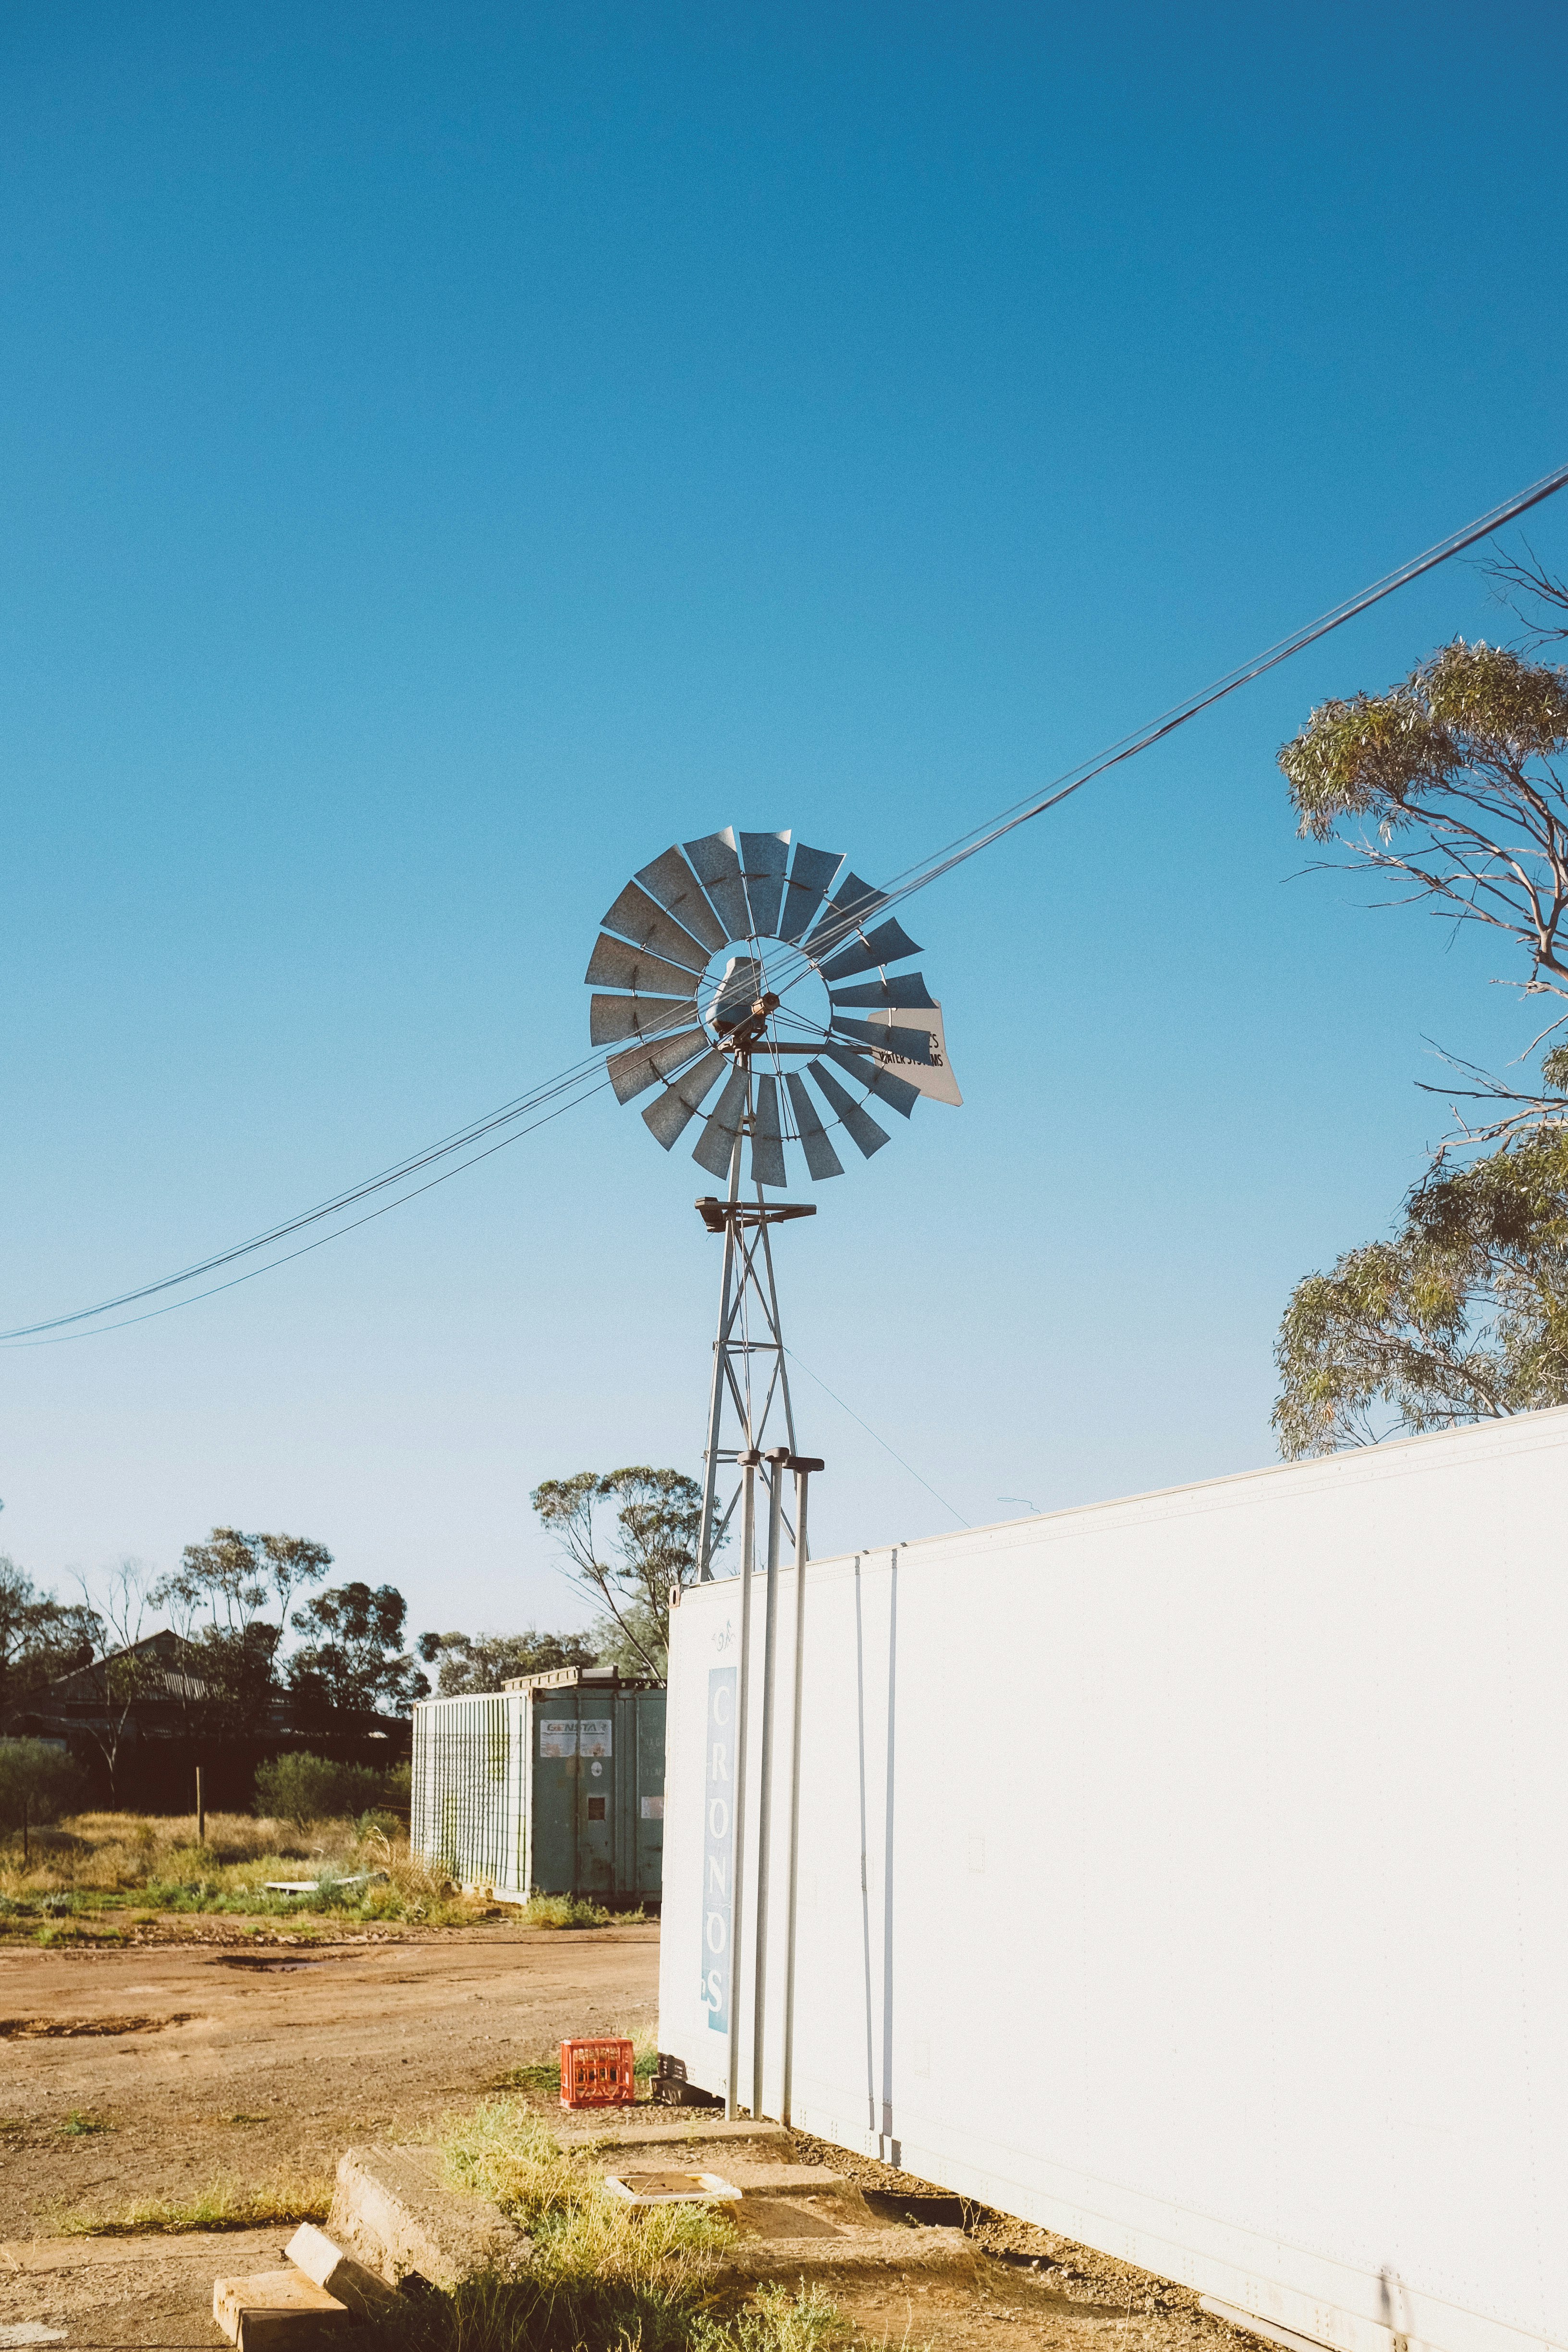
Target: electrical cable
63,1339
871,1434
904,885
1071,780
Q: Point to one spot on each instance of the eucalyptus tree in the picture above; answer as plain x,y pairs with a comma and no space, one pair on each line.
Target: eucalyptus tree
1450,790
651,1547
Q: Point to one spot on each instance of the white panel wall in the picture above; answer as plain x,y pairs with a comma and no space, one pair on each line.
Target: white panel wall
1187,1874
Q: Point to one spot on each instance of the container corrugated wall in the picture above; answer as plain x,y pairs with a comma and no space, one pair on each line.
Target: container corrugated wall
467,1770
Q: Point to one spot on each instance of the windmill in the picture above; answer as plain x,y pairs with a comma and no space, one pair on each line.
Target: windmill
766,976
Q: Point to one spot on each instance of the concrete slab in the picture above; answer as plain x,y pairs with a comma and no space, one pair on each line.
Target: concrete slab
793,2219
392,2212
613,2127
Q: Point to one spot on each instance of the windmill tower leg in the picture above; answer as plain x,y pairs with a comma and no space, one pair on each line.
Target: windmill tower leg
715,1395
750,1370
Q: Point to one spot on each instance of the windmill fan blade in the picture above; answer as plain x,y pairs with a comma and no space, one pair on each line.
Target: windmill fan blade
767,1136
851,903
763,858
820,1157
858,1123
637,917
610,1018
613,965
896,1093
669,880
910,1044
683,1099
888,943
715,1145
809,876
630,1074
905,992
717,870
680,1102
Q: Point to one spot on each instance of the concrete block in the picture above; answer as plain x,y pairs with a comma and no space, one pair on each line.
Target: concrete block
391,2212
366,2294
279,2311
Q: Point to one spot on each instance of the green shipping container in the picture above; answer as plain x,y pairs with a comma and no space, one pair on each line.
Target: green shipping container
552,1786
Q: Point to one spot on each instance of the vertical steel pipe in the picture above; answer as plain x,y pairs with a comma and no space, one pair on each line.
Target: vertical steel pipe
738,1846
803,1470
777,1456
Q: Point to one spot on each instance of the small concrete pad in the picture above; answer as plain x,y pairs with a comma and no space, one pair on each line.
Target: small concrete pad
277,2311
392,2212
311,2250
793,2219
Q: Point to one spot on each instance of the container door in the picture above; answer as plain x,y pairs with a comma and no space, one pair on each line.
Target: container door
648,1826
596,1795
553,1794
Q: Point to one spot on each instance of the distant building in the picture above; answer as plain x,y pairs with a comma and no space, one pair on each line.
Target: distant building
140,1742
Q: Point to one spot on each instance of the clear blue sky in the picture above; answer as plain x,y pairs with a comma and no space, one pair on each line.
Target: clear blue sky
452,452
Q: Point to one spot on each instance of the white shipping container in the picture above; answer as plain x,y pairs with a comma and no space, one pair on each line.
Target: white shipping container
1185,1874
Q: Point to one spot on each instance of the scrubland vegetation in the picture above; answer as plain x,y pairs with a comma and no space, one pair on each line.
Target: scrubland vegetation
96,1875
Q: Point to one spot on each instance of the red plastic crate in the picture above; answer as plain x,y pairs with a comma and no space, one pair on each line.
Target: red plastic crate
597,2074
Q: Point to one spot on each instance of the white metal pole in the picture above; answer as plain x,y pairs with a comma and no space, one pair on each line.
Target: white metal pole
738,1843
803,1470
777,1456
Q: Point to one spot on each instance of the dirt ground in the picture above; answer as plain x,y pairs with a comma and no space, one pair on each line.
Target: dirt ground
212,2054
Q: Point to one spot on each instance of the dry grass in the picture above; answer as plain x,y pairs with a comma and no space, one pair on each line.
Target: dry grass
601,2273
224,2204
99,1863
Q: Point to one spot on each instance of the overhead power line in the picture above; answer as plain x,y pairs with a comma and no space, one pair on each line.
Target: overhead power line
1072,780
587,1077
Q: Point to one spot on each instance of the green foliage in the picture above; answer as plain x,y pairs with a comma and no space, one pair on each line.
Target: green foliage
1463,1316
478,1663
654,1547
232,1576
304,1788
40,1637
1470,712
227,1674
39,1783
352,1657
1446,784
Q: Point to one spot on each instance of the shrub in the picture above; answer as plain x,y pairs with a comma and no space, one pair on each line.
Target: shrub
38,1782
305,1787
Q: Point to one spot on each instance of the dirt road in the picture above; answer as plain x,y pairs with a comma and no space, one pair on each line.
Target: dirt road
210,2059
224,2058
